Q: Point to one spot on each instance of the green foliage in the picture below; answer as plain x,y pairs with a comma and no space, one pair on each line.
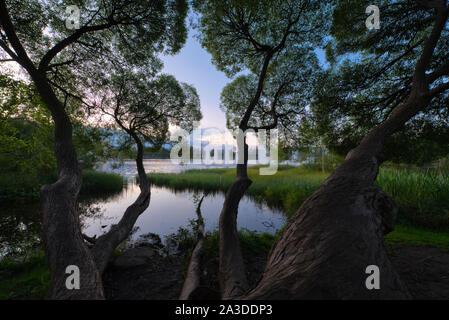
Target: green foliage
371,76
422,197
28,278
28,186
236,33
274,46
125,32
95,182
145,107
27,142
95,144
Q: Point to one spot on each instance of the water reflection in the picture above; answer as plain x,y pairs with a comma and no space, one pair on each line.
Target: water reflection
21,226
170,209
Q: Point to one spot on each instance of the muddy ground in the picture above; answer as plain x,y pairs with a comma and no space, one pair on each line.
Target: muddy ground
145,272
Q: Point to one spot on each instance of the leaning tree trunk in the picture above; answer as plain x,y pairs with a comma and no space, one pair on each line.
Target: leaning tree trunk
193,277
326,247
232,276
105,245
63,241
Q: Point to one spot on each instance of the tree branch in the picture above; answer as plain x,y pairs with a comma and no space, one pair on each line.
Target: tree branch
20,54
46,59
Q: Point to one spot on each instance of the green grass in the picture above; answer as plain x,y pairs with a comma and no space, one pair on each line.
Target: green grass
101,182
27,279
249,240
422,197
410,236
285,190
27,187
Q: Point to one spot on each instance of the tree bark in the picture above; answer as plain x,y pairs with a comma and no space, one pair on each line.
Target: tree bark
63,239
192,281
327,245
325,248
232,274
105,245
62,236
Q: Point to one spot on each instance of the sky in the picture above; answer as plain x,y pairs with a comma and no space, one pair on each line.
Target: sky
193,65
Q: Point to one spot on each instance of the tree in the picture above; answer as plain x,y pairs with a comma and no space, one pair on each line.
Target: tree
124,32
325,248
144,109
275,45
347,106
25,139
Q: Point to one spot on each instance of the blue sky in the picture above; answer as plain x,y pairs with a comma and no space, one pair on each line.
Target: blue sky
193,65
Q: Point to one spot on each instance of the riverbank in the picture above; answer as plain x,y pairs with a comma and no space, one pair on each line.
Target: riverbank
422,197
27,188
149,270
420,254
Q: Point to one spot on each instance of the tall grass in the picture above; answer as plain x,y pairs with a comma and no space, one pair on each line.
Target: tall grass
101,182
422,197
27,279
28,186
286,190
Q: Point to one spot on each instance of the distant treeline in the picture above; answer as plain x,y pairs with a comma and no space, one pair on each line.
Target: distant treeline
162,153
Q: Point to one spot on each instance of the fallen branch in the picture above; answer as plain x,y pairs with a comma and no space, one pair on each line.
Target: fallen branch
192,281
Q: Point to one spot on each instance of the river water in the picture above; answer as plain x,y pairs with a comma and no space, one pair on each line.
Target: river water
168,210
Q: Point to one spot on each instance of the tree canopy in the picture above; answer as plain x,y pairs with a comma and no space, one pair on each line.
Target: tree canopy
111,34
146,106
371,75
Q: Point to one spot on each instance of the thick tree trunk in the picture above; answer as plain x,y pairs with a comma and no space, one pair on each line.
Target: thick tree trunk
63,241
337,233
232,274
325,248
327,245
233,281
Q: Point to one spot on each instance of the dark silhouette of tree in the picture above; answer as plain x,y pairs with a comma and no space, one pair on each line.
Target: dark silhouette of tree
61,63
325,248
275,43
143,108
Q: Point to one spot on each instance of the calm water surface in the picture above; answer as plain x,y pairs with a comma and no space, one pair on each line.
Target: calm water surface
171,209
168,210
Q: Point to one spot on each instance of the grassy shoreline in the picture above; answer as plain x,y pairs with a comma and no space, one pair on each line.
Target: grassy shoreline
422,198
94,182
426,195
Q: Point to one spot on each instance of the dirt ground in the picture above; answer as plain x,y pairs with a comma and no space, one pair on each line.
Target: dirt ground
424,270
